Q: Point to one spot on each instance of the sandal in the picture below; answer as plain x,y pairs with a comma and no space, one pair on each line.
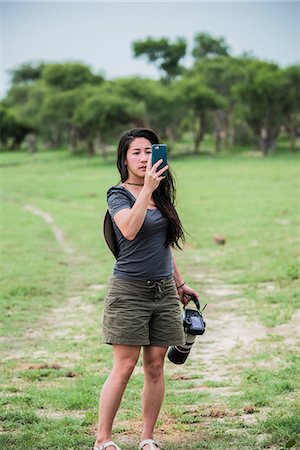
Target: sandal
152,444
107,444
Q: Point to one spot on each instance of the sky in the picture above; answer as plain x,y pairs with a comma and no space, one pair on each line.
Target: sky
100,34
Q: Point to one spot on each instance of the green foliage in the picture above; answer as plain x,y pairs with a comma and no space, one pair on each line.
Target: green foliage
265,100
292,76
27,73
163,104
69,76
162,52
231,100
207,46
221,73
201,100
57,113
13,130
27,102
103,110
199,96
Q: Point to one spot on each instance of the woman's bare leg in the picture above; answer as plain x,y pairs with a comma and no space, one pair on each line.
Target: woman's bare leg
153,391
125,359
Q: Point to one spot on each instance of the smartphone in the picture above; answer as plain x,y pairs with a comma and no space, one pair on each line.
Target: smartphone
159,151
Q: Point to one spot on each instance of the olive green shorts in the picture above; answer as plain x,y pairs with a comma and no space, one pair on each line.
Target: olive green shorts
142,313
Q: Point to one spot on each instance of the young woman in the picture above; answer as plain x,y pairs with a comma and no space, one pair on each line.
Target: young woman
142,303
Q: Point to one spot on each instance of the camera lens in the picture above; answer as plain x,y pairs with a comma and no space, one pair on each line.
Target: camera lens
178,354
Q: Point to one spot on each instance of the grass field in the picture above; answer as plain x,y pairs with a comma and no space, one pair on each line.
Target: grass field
239,388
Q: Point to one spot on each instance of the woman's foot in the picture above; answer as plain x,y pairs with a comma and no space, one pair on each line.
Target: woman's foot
148,444
112,446
147,447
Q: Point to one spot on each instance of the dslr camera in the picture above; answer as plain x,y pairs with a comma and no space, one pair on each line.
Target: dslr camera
193,322
193,325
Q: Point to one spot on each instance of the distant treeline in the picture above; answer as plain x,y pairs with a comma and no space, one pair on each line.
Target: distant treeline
238,100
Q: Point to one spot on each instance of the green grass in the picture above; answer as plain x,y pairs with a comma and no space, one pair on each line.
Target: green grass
54,364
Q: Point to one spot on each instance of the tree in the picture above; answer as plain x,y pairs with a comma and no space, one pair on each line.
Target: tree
291,106
69,76
221,74
56,116
163,53
262,96
163,109
103,113
207,46
201,100
25,100
44,98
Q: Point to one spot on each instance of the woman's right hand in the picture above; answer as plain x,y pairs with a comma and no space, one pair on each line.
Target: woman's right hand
152,176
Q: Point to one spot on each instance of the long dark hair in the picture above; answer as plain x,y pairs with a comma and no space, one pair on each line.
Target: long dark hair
164,195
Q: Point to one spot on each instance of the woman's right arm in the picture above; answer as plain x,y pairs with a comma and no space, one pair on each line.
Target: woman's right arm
130,221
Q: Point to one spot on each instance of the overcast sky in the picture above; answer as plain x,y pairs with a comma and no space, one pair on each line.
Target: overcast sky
100,34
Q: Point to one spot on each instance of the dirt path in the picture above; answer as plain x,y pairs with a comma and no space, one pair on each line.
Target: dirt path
229,333
60,321
58,232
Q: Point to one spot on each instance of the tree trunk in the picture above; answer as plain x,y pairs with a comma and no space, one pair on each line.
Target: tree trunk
221,128
73,136
91,147
268,141
293,136
230,137
229,132
170,132
218,140
31,140
273,143
104,150
55,138
273,135
263,145
201,132
263,141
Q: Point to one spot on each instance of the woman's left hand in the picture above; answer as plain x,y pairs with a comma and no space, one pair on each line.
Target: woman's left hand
184,292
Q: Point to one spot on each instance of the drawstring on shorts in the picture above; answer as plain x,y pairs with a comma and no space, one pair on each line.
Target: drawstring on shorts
157,285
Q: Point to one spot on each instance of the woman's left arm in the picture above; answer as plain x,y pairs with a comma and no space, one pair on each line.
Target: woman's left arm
182,288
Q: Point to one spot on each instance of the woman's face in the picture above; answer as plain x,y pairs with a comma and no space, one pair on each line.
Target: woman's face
138,153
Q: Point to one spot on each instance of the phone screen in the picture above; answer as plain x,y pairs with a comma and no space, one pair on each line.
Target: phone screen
159,151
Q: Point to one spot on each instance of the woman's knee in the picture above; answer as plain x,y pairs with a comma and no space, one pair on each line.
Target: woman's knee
125,359
154,369
123,371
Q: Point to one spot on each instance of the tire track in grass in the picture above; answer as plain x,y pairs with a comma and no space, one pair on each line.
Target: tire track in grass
61,321
58,232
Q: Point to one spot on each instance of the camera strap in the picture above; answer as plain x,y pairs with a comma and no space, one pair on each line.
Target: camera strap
197,304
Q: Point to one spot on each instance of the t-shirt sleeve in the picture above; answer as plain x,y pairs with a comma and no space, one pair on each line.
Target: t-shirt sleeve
117,200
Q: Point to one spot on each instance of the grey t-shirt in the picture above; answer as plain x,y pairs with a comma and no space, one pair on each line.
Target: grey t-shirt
145,257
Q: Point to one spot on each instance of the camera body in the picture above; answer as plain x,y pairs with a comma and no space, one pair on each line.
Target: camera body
193,322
